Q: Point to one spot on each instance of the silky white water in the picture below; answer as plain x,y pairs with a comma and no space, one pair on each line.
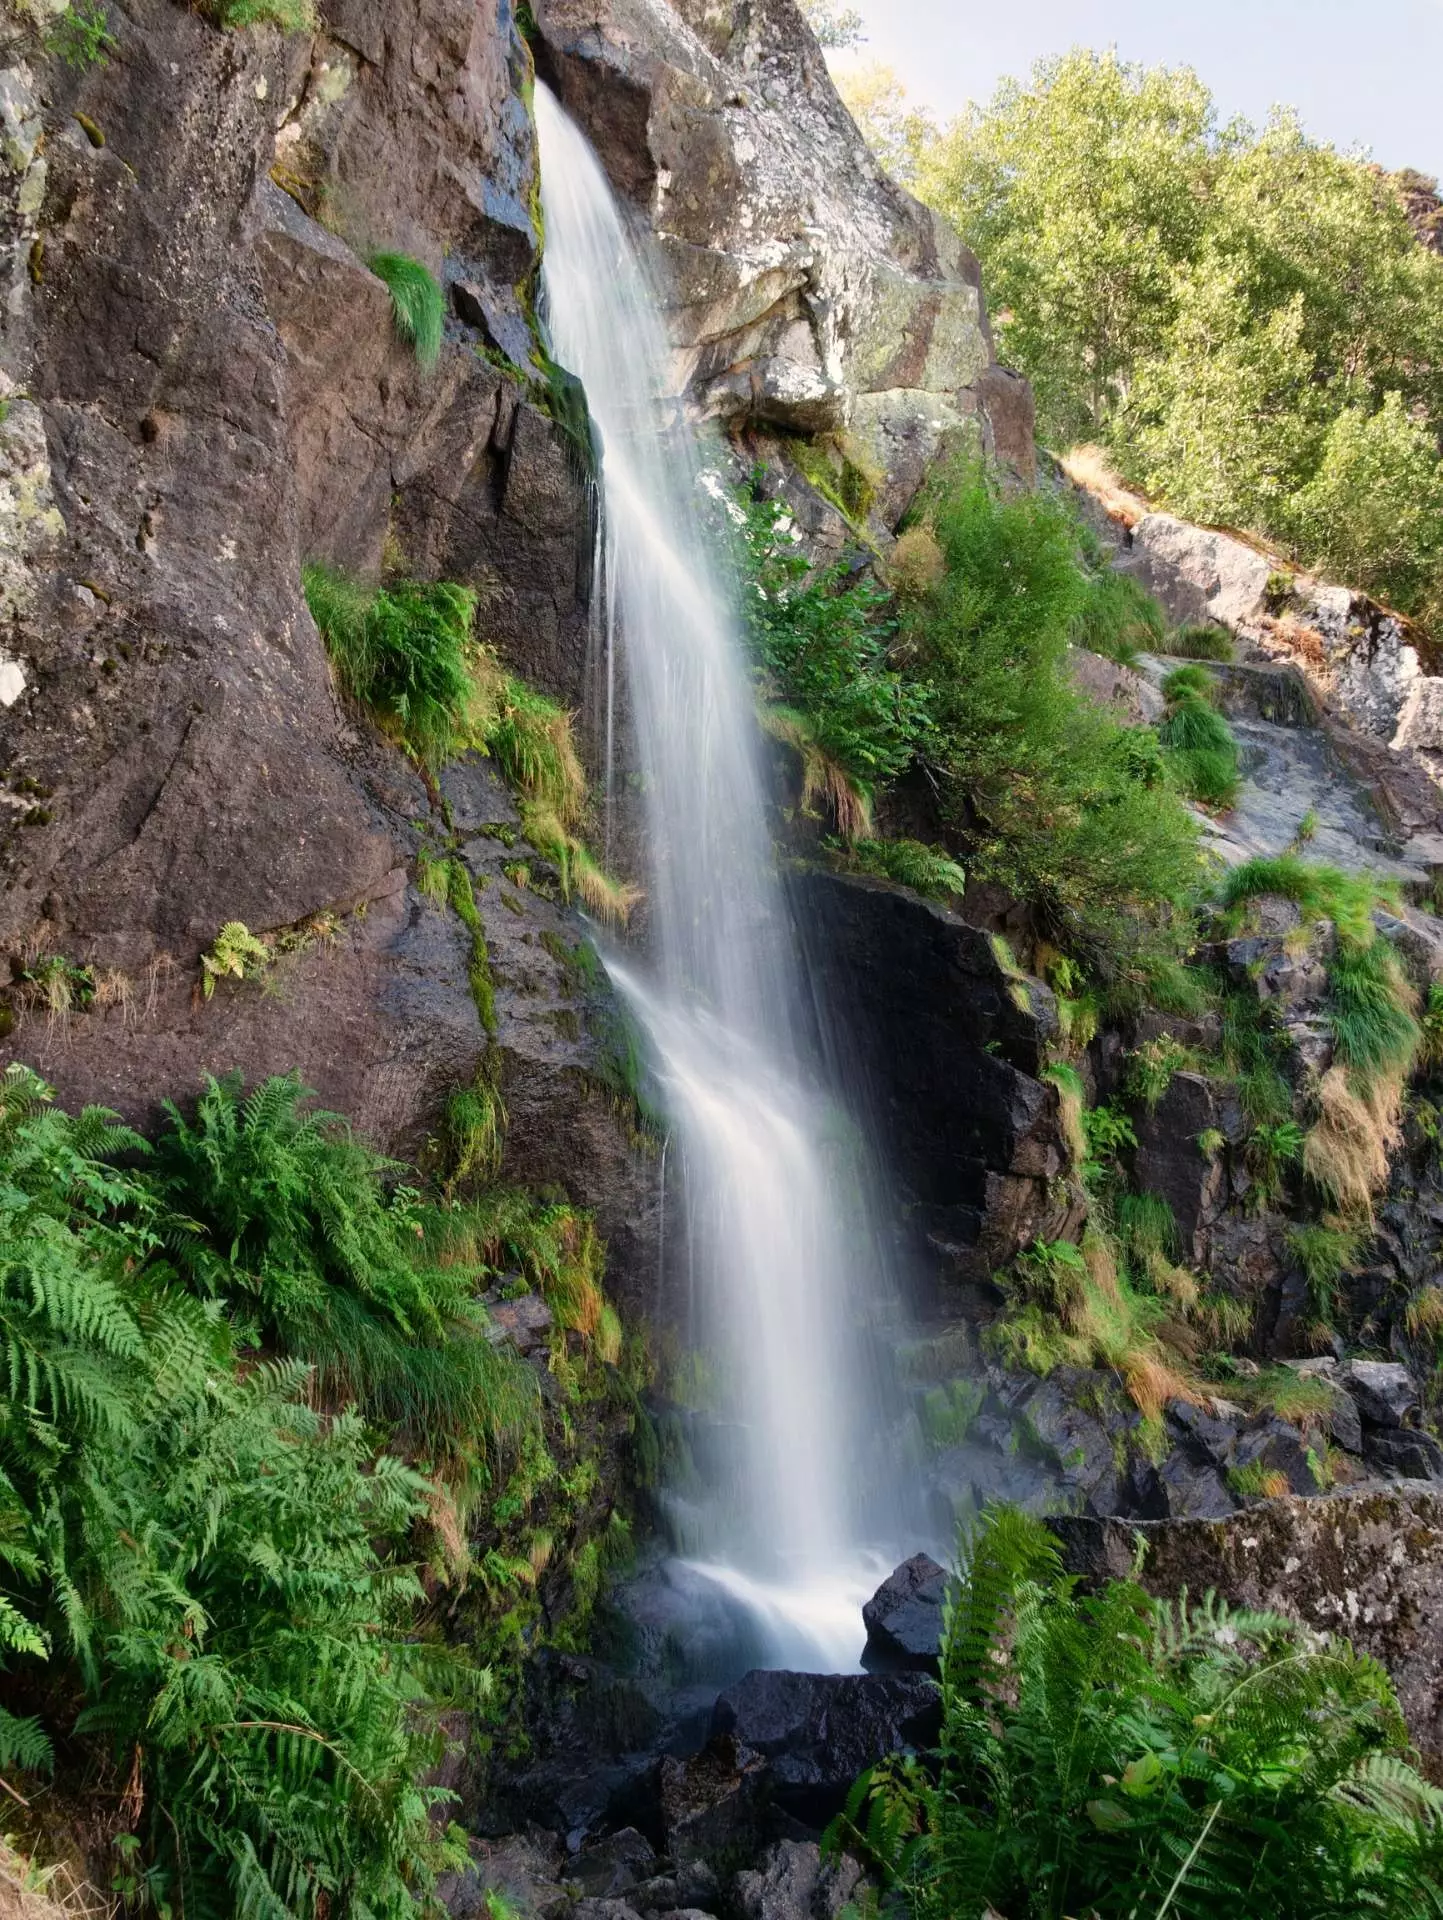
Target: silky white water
771,1225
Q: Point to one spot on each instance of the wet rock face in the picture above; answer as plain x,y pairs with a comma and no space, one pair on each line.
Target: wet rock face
808,289
949,1042
1367,1564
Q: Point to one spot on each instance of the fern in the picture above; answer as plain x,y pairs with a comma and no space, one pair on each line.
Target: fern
1118,1756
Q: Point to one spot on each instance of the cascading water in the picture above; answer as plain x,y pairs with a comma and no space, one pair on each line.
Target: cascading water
773,1238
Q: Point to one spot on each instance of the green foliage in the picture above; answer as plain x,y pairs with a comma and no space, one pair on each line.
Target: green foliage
822,643
404,651
1118,618
1201,641
1326,1251
1245,317
291,16
1199,745
927,870
1270,1149
418,305
1151,1068
1108,1133
193,1568
1114,1755
235,955
948,1411
1042,781
1370,1010
278,1213
81,37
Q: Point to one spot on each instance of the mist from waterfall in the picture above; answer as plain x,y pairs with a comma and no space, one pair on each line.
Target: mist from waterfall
780,1253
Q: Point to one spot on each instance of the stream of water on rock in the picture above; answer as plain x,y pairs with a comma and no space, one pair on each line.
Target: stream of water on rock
780,1258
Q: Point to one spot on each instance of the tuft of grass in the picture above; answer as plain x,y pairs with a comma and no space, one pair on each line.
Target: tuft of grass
291,16
530,738
406,653
1319,893
1258,1482
1326,1250
418,306
1424,1314
1198,743
1346,1155
1371,1009
1071,1102
1201,641
1151,1068
824,777
1118,618
475,1132
1293,1396
948,1411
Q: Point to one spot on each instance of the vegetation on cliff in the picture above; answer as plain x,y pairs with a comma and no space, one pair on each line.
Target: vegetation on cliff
246,1385
1112,1754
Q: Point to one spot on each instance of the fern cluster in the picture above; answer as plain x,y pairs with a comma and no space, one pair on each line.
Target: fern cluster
191,1567
1113,1755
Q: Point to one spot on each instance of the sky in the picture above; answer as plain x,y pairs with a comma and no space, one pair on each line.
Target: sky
1362,73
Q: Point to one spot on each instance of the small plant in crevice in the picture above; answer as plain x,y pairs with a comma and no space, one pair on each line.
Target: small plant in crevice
1268,1152
1327,1251
235,954
1150,1070
80,36
418,306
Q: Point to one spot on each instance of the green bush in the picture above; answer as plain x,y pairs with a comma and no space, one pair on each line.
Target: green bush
418,305
1115,1755
404,651
194,1575
1049,793
926,870
822,643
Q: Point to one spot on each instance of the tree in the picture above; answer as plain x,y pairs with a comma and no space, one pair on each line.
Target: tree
898,135
1079,194
1245,318
835,26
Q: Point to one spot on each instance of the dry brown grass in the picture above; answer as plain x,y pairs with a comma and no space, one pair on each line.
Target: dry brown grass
1301,643
823,778
1424,1314
1348,1146
31,1892
1153,1381
1088,467
916,564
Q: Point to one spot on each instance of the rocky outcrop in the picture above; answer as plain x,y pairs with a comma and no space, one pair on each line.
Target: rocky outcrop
1367,1564
806,289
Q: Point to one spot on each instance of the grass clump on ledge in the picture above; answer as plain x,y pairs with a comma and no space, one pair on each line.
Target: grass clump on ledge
418,306
291,16
930,871
1198,743
1118,618
1201,640
1113,1755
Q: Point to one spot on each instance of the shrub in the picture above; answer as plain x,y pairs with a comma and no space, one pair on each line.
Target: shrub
1114,1755
418,305
1043,785
821,641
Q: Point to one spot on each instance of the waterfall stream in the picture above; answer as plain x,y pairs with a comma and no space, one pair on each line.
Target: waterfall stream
779,1252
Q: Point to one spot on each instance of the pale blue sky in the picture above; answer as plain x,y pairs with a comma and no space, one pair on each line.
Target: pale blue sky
1360,72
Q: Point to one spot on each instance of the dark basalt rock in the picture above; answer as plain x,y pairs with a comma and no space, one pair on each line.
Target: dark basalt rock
816,1732
1385,1392
795,1883
903,1618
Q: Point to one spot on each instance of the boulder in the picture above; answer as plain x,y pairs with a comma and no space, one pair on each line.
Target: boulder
614,1865
795,1883
1403,1453
814,1733
1384,1391
903,1618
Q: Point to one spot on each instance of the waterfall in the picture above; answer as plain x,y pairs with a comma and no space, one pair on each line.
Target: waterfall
779,1254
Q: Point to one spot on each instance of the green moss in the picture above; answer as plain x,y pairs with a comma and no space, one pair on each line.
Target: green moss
478,971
